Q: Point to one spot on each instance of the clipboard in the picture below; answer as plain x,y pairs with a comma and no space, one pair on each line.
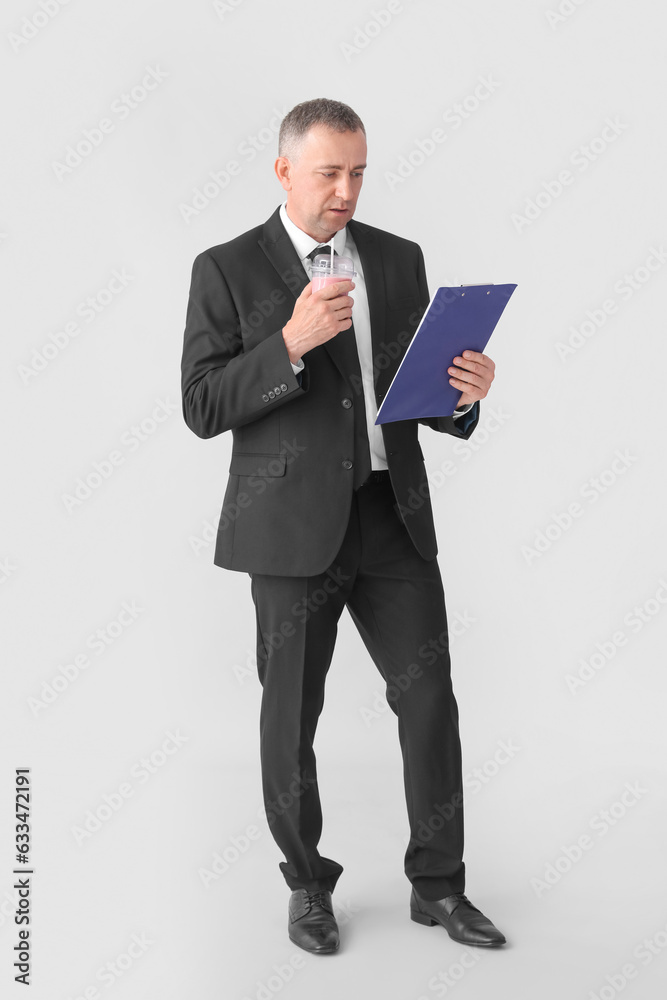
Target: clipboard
460,318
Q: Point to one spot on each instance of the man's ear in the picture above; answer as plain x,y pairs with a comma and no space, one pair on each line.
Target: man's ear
283,169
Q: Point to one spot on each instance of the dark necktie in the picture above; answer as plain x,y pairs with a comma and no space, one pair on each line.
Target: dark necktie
347,352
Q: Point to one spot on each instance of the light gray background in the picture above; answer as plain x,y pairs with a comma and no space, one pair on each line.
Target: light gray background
185,664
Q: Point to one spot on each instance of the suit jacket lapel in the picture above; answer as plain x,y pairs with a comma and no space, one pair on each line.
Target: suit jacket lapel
370,256
278,247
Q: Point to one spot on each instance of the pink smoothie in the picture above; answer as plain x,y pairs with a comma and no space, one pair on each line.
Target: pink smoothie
329,279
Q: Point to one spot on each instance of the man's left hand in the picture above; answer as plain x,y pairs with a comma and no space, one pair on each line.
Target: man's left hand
473,376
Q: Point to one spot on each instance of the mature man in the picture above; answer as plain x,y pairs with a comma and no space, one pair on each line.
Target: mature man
320,505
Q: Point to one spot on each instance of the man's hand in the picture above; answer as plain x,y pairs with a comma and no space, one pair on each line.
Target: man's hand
318,317
473,376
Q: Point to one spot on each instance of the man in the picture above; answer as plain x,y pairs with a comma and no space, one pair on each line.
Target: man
320,505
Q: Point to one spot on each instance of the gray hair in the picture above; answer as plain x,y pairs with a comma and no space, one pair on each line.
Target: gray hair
332,114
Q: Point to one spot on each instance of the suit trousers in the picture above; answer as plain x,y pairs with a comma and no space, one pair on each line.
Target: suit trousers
396,600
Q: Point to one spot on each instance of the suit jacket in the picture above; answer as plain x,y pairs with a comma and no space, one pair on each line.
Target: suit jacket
288,497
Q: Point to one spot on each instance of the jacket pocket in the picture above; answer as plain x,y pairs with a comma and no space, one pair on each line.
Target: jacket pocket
257,464
402,302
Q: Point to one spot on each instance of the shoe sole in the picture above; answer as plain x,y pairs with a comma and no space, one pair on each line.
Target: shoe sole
423,918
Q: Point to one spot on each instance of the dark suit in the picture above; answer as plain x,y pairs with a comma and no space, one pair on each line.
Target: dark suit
293,521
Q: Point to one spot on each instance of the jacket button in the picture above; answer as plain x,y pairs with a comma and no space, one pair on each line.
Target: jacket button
347,403
265,398
347,464
277,390
283,387
272,394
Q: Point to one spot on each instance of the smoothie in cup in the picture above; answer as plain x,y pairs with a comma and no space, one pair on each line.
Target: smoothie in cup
324,274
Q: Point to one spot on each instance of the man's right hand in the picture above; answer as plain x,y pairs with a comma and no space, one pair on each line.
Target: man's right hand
318,317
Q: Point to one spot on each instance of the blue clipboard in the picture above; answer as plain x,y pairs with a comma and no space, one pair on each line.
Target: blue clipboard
458,319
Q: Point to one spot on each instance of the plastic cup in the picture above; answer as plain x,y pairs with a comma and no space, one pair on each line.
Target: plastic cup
326,271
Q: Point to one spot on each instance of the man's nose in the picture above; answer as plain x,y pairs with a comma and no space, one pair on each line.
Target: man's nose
344,189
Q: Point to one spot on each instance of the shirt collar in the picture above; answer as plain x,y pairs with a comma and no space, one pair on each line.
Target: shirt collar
305,244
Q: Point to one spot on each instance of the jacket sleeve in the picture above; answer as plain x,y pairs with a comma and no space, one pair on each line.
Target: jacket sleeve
223,384
463,426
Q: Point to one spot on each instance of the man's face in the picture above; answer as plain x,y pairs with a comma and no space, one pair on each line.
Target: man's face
324,182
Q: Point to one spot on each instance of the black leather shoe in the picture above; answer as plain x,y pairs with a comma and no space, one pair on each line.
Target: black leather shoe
462,921
312,924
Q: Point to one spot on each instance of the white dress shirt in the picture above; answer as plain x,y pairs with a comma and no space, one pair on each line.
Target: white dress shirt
346,247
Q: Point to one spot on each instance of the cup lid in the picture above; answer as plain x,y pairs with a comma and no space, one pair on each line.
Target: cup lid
341,265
